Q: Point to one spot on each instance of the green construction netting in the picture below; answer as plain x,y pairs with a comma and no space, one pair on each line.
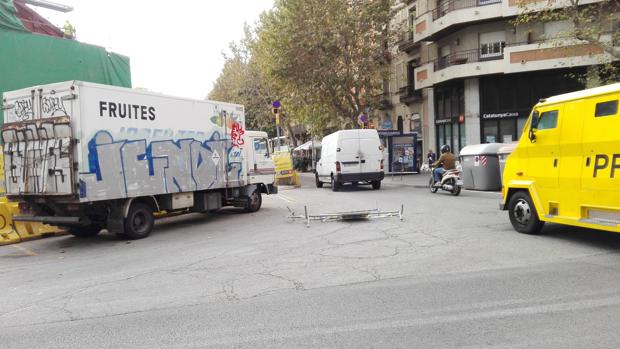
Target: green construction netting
28,59
7,17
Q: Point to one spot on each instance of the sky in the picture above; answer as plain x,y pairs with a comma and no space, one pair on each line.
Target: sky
175,46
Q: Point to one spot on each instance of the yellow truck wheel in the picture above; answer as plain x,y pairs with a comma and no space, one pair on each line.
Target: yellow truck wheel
523,215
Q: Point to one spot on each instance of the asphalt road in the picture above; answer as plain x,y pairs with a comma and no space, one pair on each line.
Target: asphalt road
452,274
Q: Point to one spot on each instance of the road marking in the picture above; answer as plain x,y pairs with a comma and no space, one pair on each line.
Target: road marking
25,250
286,198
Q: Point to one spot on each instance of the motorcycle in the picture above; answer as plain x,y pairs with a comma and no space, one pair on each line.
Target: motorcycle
450,181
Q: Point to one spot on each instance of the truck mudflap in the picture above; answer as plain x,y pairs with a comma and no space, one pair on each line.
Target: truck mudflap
272,189
55,220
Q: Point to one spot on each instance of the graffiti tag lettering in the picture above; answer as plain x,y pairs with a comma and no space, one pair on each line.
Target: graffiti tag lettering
125,168
52,106
236,135
23,109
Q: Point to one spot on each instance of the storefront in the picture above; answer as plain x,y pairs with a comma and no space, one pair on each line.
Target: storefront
506,100
401,152
449,116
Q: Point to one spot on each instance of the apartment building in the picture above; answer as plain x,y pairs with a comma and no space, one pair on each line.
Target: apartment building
476,75
403,109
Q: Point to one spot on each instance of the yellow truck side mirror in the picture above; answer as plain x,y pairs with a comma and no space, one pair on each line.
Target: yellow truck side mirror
533,126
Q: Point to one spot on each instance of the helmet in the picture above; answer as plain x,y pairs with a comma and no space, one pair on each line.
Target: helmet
445,148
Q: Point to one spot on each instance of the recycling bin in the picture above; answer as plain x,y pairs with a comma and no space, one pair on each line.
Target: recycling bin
480,165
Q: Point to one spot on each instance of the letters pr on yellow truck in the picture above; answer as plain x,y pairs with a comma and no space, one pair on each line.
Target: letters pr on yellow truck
566,166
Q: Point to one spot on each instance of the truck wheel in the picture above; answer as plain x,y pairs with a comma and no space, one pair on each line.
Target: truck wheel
523,215
319,184
139,222
376,185
85,231
255,201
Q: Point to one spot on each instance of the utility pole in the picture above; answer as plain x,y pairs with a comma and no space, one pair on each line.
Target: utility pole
276,106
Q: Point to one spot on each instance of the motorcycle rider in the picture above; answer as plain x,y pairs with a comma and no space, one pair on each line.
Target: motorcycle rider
446,162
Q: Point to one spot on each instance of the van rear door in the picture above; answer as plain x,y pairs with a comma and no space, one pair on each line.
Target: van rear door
370,153
348,152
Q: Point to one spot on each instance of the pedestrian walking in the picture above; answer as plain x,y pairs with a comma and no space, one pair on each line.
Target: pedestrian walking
431,157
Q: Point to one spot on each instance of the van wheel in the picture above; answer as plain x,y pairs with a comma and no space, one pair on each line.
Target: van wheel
376,185
319,184
523,215
335,185
255,201
85,231
139,222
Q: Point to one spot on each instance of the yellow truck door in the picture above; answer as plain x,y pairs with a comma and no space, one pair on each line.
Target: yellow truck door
544,156
600,182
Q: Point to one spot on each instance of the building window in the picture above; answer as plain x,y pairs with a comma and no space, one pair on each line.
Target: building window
492,49
412,16
399,123
492,44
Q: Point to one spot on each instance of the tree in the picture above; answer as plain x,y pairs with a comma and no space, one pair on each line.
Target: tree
241,82
328,56
592,23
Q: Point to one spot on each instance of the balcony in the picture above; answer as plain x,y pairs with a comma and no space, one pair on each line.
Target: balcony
409,95
513,58
453,5
453,15
464,57
407,44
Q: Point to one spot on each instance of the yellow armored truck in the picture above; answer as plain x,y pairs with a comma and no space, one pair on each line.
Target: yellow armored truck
566,166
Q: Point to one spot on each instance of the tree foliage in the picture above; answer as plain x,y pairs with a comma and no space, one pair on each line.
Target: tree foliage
324,59
593,23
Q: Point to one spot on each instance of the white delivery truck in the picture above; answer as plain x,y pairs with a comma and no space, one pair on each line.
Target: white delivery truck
350,156
92,157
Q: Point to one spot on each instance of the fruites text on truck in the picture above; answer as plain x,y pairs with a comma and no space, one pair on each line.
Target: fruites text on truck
92,157
566,166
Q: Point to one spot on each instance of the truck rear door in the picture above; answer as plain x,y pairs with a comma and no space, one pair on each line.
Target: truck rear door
38,144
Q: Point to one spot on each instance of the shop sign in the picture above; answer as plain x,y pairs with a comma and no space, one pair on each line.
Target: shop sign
461,119
388,132
510,114
443,121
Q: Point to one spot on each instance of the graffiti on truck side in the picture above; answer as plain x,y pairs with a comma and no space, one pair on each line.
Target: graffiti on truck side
126,168
23,109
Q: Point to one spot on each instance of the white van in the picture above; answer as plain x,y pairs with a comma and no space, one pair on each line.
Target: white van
350,156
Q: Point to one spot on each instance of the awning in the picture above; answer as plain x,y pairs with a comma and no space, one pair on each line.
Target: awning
308,145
